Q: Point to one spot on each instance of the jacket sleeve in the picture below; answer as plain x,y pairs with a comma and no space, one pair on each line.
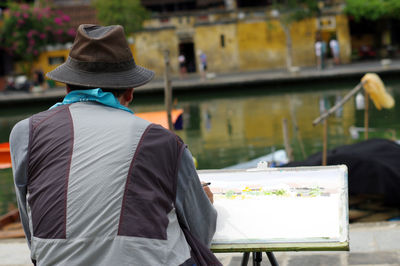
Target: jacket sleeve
19,141
193,207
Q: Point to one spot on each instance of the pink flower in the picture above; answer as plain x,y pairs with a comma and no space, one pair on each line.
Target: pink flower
35,52
25,15
58,21
31,33
17,14
20,21
42,36
65,18
71,32
31,42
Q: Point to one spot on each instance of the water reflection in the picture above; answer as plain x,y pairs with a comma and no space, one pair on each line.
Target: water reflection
237,129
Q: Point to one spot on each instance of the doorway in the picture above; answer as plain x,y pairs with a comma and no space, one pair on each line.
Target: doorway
187,50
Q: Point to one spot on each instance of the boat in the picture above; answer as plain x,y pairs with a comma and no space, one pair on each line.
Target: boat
273,159
158,117
10,225
5,158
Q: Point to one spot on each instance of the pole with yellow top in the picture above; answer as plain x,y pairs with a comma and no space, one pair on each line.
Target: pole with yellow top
374,89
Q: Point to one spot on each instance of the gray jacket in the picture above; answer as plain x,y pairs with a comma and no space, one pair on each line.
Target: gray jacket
99,186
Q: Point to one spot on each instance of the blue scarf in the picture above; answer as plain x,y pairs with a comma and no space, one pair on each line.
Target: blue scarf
94,95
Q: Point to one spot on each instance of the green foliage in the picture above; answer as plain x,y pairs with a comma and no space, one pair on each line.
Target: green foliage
373,9
128,13
27,30
296,10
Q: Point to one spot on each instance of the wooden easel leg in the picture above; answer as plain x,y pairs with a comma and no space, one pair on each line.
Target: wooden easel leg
245,259
257,258
272,259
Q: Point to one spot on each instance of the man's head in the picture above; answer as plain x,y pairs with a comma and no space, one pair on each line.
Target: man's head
101,58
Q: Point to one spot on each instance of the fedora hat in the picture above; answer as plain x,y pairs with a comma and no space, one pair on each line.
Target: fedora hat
101,57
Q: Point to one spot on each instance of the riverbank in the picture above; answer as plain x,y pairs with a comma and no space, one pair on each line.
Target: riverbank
233,80
370,244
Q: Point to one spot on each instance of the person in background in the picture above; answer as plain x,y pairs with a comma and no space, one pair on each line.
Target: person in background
318,53
335,50
97,185
38,81
182,66
203,63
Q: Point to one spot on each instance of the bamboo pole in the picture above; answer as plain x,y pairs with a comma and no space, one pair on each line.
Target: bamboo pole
325,115
339,104
168,90
325,143
366,115
286,141
297,131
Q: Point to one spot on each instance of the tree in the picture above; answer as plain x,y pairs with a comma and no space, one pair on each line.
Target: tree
381,11
27,30
128,13
287,13
373,9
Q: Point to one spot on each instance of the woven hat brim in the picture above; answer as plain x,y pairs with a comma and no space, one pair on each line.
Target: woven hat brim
132,78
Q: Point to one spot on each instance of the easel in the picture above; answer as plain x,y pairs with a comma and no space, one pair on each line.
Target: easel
257,258
256,234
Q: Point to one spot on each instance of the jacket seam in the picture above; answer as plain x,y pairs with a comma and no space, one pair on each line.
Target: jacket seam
129,174
68,172
50,116
178,165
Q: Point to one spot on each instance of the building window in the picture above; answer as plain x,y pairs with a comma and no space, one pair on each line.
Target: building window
222,40
56,60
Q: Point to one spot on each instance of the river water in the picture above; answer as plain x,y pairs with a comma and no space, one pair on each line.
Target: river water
226,127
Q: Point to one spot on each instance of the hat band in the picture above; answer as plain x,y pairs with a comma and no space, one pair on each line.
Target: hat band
100,66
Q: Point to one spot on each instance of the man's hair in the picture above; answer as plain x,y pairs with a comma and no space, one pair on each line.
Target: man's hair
117,92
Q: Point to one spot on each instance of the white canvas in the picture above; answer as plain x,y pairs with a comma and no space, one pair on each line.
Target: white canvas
280,205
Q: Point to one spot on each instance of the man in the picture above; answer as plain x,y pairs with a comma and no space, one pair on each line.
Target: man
335,49
182,66
203,63
97,185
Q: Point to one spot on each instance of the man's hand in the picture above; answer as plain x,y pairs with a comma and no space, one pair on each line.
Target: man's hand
208,192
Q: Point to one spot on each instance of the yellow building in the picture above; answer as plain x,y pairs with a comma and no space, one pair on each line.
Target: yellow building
236,40
233,39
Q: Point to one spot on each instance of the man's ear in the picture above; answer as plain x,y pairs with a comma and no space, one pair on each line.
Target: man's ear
128,95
